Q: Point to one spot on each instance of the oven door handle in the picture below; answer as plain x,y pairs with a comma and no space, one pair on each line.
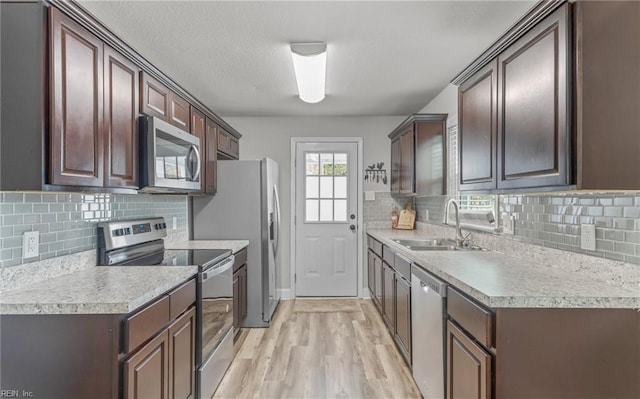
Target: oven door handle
218,269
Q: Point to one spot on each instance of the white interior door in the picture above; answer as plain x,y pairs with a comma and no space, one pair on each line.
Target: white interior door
326,187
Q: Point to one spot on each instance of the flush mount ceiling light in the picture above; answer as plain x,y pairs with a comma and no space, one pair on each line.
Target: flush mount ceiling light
310,65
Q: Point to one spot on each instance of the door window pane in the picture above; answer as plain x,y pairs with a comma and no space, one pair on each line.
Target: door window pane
340,167
326,164
311,163
340,187
312,211
312,187
340,211
326,187
326,210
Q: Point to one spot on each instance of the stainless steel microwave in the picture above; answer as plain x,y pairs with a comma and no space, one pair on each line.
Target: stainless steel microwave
170,158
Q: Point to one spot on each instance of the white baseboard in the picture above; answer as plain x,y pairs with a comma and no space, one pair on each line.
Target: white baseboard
285,294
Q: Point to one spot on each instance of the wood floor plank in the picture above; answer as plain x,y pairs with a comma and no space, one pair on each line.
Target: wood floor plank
335,352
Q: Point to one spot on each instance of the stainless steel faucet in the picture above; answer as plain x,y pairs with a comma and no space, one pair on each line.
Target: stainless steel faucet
460,238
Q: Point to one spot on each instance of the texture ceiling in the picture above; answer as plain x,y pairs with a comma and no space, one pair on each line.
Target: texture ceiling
383,58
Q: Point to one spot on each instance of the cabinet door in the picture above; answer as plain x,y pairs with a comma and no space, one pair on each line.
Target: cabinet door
377,263
211,158
430,158
179,111
533,107
371,275
76,135
146,373
198,128
182,349
389,297
155,98
236,300
477,129
403,316
395,166
243,293
120,120
407,162
468,367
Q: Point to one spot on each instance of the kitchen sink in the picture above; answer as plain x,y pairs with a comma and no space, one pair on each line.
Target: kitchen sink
434,244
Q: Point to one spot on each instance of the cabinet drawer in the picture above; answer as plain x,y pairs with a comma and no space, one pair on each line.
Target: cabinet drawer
375,245
181,298
388,256
144,324
403,266
241,259
477,320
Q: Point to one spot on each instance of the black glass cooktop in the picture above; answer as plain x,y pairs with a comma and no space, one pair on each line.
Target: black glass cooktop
203,258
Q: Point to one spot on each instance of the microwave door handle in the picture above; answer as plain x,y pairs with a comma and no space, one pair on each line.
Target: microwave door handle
197,173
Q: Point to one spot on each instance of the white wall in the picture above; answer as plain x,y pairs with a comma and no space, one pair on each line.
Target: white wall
446,102
271,137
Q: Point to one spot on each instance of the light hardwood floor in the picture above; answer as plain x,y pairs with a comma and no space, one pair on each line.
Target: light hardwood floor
319,348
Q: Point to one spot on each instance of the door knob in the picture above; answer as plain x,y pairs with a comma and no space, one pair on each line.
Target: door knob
352,227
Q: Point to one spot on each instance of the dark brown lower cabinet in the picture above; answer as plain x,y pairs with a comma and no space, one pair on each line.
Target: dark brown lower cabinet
239,296
371,275
378,271
146,373
403,316
164,367
468,367
182,342
388,298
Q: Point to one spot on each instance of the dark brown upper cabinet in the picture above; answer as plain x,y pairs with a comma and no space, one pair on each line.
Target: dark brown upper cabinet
607,94
211,157
121,120
94,105
418,155
198,127
515,113
228,145
157,100
77,134
534,107
179,113
155,97
477,129
207,131
560,94
395,165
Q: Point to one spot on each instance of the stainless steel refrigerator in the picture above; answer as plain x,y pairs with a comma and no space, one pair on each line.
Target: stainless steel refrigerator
246,207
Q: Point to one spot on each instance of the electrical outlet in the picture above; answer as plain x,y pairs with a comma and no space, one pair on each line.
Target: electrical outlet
30,244
175,223
508,223
588,237
369,195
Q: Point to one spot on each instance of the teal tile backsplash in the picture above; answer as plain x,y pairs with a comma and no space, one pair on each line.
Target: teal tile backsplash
67,222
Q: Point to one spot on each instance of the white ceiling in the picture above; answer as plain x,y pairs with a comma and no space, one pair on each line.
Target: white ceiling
384,58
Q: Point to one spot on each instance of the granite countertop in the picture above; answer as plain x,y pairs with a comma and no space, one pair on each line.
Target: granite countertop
234,245
503,281
96,290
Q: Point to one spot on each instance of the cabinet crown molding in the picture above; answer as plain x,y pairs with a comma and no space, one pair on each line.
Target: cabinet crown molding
416,118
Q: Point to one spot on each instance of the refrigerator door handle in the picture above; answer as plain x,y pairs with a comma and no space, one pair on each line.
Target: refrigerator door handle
276,228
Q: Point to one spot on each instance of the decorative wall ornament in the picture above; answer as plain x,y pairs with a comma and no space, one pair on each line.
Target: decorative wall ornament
375,174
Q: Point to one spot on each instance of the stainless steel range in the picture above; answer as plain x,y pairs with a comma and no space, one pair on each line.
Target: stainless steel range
140,243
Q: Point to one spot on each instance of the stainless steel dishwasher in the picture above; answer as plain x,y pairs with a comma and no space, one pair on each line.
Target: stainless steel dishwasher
428,313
